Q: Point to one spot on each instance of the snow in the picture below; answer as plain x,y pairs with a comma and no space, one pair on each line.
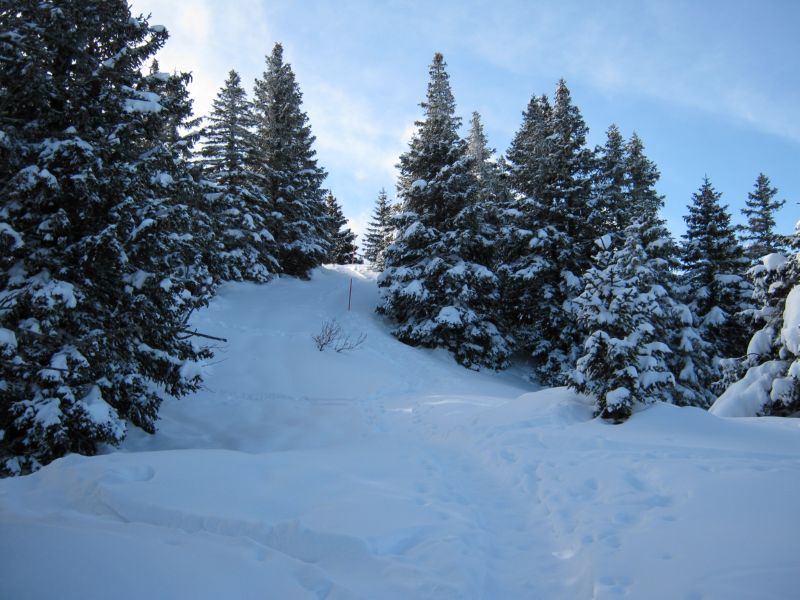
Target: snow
56,292
141,227
571,279
8,340
142,106
604,242
419,184
449,315
617,396
715,316
790,333
761,342
99,411
161,178
52,146
747,397
391,472
774,261
138,278
727,278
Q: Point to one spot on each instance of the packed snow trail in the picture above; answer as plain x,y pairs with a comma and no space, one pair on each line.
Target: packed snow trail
391,472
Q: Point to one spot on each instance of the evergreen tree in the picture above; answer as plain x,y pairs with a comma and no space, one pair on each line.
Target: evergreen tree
691,354
771,383
519,267
759,233
641,177
548,234
342,240
433,287
609,189
636,286
246,247
285,161
479,221
380,233
104,236
482,168
714,265
627,311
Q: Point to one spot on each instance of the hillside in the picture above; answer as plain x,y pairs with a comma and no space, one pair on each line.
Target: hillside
391,472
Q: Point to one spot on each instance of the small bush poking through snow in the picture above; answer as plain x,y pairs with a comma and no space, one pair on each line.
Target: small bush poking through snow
332,336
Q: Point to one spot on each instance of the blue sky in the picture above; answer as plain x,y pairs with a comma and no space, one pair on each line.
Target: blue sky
712,87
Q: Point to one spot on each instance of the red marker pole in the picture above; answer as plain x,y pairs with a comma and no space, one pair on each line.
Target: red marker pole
350,295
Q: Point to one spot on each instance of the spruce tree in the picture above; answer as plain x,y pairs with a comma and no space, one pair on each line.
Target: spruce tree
105,237
714,265
519,267
641,177
759,233
380,233
770,381
637,284
609,187
482,168
432,287
246,247
285,162
479,221
691,355
626,311
549,230
342,240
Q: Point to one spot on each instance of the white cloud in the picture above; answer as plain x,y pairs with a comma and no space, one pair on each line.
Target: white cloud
667,51
350,134
209,39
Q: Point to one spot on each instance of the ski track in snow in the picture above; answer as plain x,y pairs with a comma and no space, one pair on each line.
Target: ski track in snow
391,472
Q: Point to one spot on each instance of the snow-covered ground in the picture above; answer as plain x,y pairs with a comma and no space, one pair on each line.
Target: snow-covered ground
391,472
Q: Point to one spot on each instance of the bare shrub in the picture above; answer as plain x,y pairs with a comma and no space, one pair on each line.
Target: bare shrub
331,335
347,343
330,332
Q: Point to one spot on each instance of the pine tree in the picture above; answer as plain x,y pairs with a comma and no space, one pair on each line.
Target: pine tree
519,267
285,162
342,240
549,230
479,221
759,233
246,247
380,233
691,355
642,268
482,168
714,266
627,311
105,237
641,177
771,383
431,287
609,189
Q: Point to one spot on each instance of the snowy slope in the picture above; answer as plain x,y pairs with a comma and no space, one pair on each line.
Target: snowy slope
391,472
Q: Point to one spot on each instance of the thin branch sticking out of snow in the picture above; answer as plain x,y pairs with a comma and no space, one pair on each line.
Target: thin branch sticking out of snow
331,335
